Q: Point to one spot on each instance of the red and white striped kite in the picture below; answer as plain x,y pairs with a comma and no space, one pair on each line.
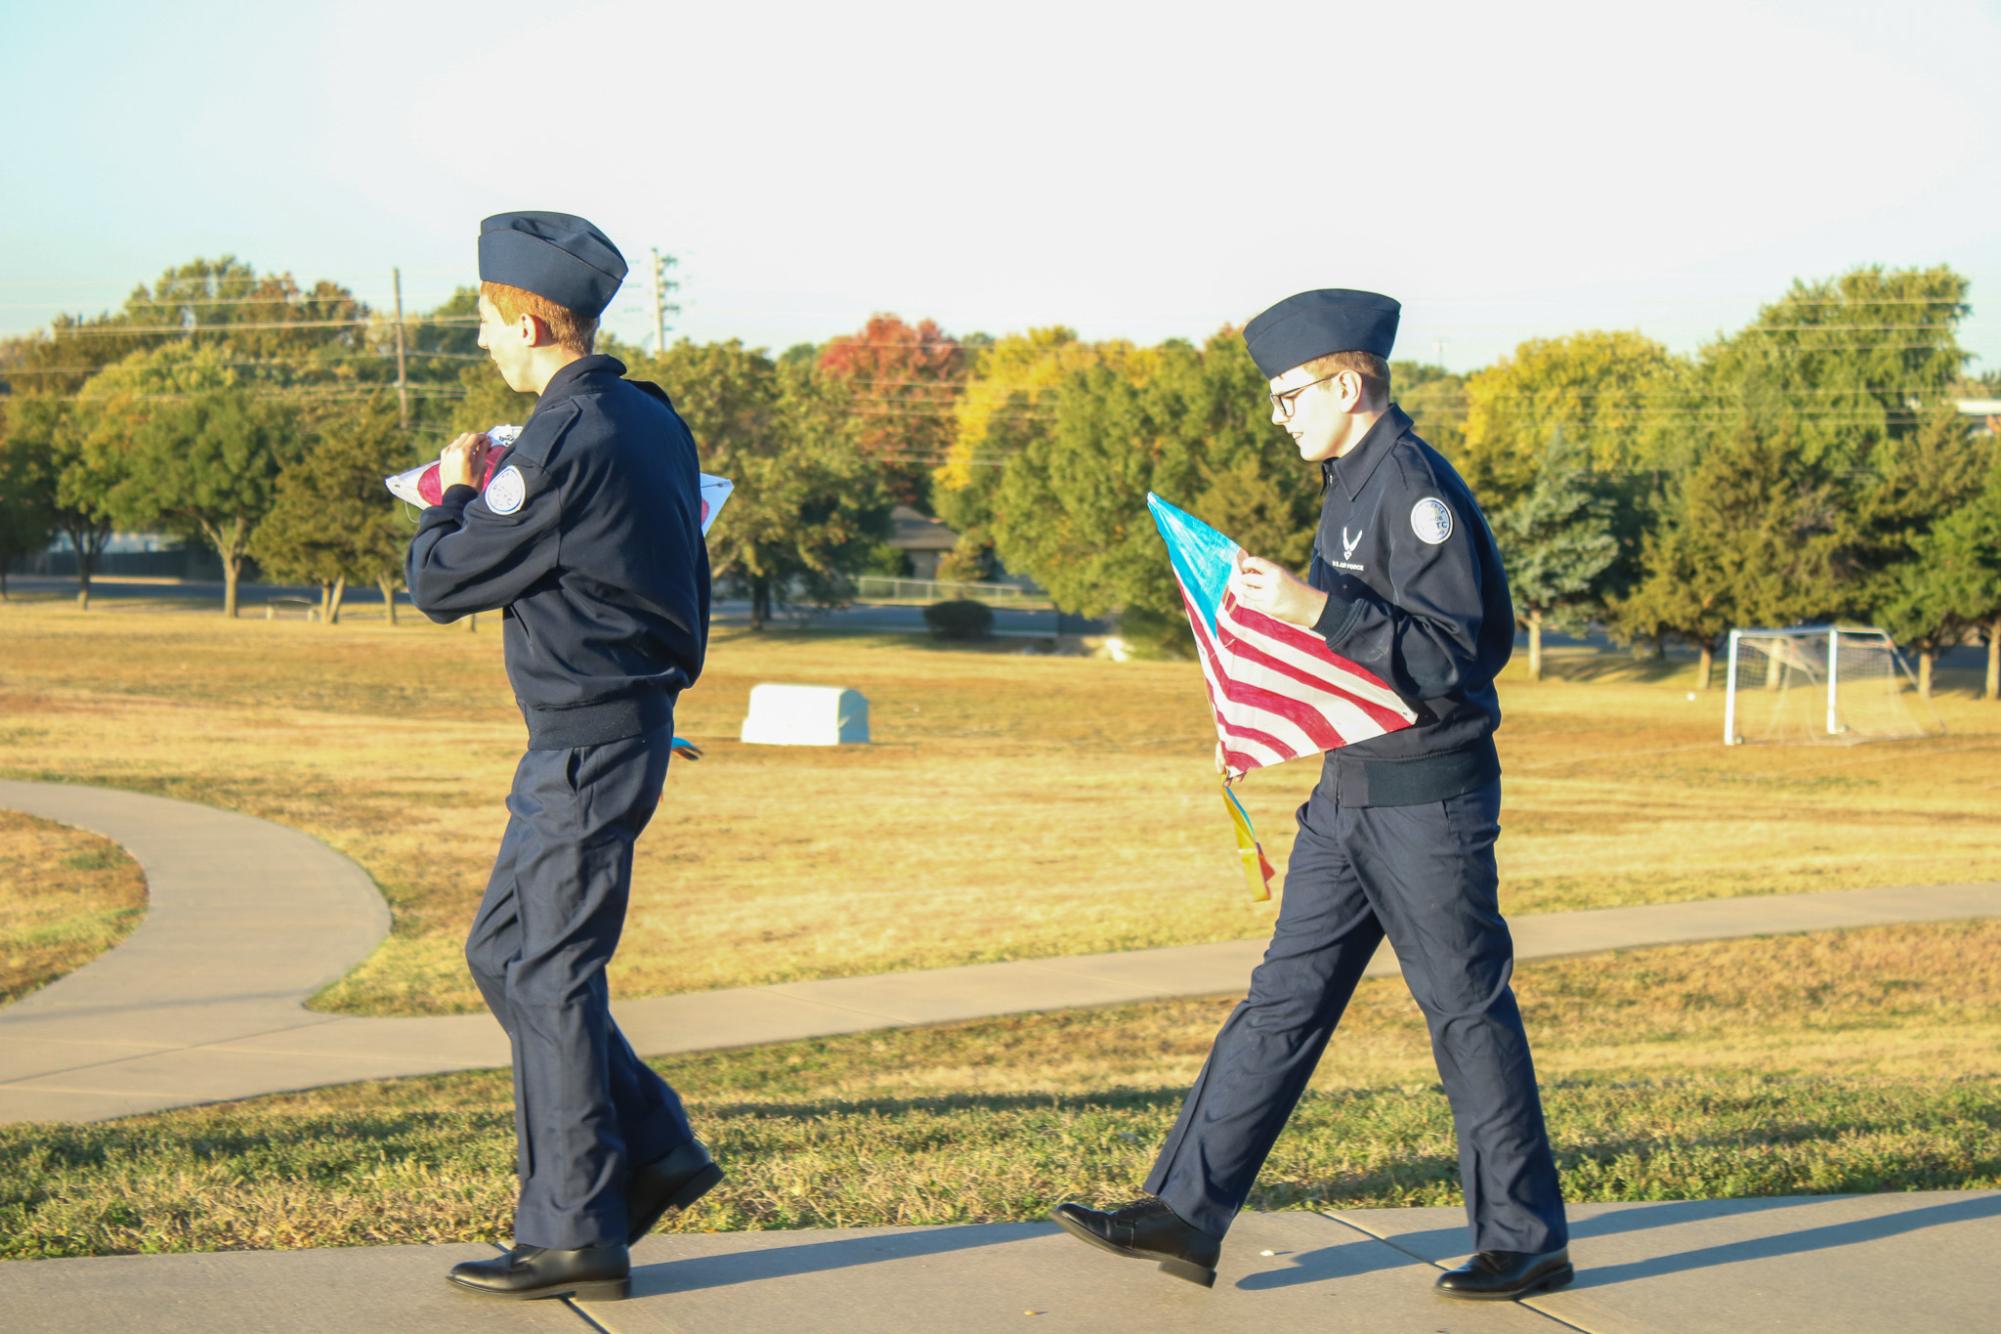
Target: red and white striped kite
1278,692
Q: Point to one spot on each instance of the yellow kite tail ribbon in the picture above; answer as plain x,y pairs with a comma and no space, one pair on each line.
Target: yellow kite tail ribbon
1257,871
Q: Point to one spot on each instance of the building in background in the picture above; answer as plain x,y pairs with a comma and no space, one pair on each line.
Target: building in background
922,540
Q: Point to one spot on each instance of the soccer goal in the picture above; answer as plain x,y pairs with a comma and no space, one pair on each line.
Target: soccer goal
1825,683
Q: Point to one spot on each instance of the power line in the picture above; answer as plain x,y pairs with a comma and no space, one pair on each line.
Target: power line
272,392
259,363
238,326
1841,328
62,307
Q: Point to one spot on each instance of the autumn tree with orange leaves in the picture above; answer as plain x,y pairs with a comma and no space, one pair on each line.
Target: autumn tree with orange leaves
905,380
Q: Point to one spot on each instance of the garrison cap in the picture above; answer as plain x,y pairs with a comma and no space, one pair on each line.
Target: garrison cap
556,255
1312,324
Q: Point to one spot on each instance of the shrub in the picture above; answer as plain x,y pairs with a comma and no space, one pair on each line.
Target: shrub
885,559
960,620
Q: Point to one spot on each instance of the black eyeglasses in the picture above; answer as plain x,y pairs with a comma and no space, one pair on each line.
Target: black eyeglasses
1282,403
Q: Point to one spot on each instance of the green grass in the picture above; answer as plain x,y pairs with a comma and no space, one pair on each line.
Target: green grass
1858,1060
1011,807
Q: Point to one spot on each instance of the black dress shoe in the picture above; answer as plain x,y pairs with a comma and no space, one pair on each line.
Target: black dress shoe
1146,1230
673,1182
1500,1276
592,1274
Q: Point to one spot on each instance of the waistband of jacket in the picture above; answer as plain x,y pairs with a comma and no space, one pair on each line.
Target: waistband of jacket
598,722
1362,781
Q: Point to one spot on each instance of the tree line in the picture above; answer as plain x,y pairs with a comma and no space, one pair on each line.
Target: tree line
243,412
1811,466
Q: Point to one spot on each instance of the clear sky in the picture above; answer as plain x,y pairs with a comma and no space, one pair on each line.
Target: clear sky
1132,170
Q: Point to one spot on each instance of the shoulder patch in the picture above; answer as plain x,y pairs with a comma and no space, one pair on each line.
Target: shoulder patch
1431,520
506,491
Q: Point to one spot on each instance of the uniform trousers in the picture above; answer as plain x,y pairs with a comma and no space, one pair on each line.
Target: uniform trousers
586,1109
1424,875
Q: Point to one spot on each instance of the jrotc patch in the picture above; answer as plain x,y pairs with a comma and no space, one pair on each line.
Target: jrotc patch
506,491
1431,520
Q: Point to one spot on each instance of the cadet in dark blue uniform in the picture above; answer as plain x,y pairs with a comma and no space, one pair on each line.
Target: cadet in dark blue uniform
1397,838
589,542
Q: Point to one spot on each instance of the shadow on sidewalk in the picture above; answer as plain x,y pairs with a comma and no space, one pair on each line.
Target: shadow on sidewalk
1363,1255
1439,1244
1851,1233
815,1257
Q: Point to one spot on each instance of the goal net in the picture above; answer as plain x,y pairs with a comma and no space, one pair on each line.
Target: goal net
1822,683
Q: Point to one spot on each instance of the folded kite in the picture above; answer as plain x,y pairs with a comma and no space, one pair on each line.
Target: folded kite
420,485
1277,691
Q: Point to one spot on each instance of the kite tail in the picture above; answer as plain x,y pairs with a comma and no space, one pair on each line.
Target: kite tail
1257,871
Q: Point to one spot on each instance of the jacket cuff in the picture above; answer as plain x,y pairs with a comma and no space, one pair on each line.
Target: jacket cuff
1337,618
458,497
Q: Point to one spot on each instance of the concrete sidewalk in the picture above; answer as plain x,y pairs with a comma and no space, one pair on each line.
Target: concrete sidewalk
205,1001
1827,1263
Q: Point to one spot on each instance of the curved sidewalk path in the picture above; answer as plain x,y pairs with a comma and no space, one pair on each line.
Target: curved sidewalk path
246,919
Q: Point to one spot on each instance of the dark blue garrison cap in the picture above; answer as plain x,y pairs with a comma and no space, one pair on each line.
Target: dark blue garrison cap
557,255
1312,324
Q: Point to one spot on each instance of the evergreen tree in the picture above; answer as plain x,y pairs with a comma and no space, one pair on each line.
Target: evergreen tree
1750,534
1558,546
331,520
1918,609
1958,566
1845,360
1910,485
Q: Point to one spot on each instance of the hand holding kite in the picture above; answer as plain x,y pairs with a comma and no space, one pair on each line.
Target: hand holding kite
1266,586
463,460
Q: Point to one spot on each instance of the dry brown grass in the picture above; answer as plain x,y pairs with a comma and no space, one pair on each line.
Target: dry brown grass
1011,806
65,898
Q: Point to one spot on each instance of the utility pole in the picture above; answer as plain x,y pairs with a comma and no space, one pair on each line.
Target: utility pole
662,308
402,380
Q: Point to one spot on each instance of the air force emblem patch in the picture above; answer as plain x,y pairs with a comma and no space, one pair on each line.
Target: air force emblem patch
506,491
1431,520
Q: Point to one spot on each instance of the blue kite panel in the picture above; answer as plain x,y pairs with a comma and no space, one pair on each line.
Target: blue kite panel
1203,557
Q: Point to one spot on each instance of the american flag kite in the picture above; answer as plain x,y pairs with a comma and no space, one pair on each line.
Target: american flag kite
1278,691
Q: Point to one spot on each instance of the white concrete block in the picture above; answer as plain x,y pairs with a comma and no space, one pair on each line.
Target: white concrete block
806,716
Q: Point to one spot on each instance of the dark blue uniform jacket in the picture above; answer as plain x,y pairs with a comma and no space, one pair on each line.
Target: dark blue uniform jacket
1416,594
594,549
